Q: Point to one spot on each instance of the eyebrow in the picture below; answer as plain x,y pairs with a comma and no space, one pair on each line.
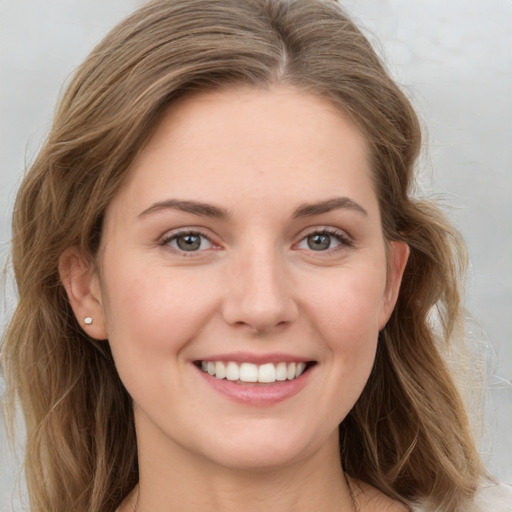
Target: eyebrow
197,208
311,209
209,210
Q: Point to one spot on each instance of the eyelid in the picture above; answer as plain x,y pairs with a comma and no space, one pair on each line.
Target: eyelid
164,240
345,239
331,230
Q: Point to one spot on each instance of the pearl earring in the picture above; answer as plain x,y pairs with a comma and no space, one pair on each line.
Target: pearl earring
87,320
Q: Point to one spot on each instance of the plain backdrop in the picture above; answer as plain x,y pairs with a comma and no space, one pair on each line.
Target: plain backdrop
454,60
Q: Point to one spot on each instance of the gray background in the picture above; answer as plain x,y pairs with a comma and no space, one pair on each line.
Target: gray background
453,59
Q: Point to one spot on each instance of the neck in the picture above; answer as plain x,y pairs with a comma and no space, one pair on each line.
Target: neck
193,484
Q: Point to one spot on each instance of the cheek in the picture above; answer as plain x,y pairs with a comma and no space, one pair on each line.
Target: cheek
151,318
349,307
347,319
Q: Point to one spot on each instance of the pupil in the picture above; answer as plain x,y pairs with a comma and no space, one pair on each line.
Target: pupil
319,242
189,242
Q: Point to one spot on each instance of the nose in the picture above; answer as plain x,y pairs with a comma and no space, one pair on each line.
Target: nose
259,293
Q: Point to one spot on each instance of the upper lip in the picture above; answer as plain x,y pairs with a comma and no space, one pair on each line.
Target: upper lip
246,357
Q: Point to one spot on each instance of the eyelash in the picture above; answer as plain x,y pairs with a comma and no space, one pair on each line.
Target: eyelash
343,239
167,240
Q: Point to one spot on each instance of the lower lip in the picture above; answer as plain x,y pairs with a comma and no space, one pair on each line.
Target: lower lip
257,394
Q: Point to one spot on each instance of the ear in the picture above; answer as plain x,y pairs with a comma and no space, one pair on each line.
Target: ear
81,281
398,256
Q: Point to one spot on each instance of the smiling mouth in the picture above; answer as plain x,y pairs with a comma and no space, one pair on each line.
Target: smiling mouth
248,372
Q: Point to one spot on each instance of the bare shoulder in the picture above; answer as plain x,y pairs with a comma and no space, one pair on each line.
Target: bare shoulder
370,499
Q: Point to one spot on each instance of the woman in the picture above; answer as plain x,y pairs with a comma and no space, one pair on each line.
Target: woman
226,290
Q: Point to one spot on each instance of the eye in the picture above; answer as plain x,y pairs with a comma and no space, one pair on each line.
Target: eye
188,241
324,240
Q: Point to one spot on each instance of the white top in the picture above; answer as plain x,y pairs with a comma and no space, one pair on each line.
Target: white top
490,497
494,498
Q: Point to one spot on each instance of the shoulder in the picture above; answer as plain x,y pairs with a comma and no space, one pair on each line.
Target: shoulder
490,497
493,497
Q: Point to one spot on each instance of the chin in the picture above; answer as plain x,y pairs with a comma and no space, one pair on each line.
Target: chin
266,451
257,460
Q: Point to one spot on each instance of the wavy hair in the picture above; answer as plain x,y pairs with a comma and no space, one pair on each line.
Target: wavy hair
408,435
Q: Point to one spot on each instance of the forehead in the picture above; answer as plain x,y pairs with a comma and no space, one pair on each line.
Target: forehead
270,144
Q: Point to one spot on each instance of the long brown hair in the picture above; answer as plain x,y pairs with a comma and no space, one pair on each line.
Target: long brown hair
408,434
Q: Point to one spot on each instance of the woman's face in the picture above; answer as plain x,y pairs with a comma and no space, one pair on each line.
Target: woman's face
245,245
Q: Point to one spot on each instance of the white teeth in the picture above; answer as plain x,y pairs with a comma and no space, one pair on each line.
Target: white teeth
249,372
220,370
300,369
267,373
290,371
281,371
232,371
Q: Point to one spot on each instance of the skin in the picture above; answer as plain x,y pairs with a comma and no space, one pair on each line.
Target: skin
253,285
